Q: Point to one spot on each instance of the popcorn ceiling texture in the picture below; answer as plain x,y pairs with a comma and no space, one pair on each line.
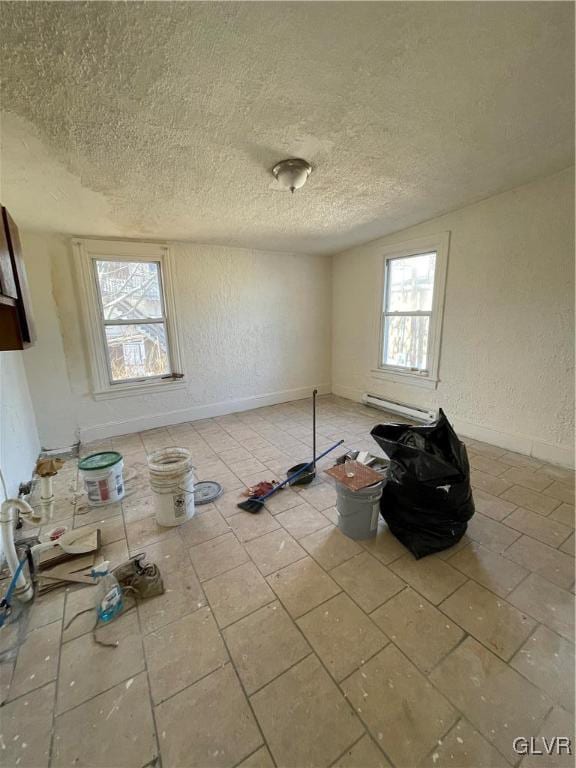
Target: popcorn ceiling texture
163,119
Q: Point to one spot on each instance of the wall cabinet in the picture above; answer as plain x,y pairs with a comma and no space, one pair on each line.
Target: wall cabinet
16,324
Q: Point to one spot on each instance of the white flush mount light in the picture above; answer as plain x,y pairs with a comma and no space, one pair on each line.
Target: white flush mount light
292,174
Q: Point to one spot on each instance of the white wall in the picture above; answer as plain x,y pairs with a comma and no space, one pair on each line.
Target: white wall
254,326
19,443
46,364
507,356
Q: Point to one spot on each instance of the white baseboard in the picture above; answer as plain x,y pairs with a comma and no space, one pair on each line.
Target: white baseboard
555,454
152,421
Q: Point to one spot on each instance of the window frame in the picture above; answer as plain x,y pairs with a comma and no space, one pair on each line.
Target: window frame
87,253
438,244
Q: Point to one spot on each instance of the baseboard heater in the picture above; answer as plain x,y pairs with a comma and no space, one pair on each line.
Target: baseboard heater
412,411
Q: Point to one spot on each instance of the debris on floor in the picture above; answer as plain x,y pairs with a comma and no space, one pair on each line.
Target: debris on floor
255,503
261,488
292,622
70,558
120,590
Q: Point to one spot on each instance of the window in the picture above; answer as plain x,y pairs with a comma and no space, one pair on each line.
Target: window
129,315
411,311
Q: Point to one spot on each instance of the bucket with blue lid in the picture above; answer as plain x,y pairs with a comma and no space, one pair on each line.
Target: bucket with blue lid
103,477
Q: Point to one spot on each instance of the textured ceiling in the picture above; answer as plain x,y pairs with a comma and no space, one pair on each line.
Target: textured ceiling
163,119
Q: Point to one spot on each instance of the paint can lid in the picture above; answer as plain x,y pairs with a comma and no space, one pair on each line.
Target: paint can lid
100,460
206,491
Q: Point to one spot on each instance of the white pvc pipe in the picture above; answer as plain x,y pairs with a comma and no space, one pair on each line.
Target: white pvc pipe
46,492
46,498
24,589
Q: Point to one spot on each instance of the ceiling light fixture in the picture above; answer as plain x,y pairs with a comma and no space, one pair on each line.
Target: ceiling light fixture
292,174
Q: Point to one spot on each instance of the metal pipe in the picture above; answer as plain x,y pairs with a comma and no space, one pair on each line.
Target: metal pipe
24,590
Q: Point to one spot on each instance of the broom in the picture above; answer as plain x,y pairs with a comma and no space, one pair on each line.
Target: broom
256,503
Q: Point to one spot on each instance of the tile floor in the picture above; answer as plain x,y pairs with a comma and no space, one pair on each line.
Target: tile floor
281,642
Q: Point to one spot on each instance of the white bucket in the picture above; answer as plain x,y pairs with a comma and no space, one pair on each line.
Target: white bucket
172,481
103,479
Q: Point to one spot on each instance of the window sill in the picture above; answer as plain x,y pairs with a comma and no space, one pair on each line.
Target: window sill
409,379
133,390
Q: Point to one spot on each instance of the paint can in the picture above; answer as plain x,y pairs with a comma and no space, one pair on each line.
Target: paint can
358,511
172,481
103,478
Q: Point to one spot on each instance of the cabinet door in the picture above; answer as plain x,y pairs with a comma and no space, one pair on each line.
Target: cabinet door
7,281
10,337
23,296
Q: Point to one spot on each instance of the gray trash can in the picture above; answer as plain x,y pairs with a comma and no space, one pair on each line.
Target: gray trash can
358,510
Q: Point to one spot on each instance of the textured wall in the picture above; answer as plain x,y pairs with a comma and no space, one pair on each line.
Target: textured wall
45,362
507,356
254,328
19,443
164,119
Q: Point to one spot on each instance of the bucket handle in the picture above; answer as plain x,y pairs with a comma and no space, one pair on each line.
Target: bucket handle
194,480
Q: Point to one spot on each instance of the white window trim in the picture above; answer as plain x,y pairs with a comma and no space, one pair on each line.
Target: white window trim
440,244
86,251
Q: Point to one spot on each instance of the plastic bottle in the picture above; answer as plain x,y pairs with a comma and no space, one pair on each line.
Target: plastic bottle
109,602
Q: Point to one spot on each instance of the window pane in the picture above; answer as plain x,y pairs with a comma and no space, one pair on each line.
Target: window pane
406,341
129,289
410,283
136,351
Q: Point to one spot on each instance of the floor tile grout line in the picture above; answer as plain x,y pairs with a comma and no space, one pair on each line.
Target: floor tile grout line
7,703
444,735
464,719
392,596
444,656
477,639
544,517
149,685
20,643
466,636
8,685
554,549
386,564
100,693
430,682
520,534
313,652
349,748
262,746
171,696
238,677
57,684
538,626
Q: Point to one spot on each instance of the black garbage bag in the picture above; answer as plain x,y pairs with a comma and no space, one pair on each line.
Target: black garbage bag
427,500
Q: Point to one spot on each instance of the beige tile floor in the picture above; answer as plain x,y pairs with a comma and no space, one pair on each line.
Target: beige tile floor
281,642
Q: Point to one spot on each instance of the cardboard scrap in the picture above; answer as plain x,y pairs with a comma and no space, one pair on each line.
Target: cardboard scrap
363,475
91,540
58,568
